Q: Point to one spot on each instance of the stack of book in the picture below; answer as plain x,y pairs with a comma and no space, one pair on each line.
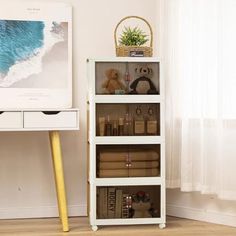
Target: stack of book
128,164
113,203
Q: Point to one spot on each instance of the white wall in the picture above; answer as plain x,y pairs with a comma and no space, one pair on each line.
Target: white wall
201,207
26,177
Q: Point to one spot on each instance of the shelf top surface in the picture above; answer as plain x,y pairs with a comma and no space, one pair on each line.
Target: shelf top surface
37,109
125,59
125,98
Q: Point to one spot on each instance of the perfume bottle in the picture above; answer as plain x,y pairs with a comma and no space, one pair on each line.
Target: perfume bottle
121,127
139,123
101,125
151,123
108,126
115,128
128,124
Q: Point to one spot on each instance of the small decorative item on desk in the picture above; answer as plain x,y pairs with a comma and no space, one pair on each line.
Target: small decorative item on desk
132,40
112,84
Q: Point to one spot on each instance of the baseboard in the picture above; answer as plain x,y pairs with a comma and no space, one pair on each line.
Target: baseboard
40,212
201,215
81,210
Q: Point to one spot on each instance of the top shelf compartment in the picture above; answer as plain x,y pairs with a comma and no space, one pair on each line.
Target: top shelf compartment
127,77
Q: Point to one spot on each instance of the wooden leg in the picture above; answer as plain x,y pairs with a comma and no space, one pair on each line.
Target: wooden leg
59,178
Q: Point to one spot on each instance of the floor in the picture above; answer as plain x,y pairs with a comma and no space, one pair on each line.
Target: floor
80,226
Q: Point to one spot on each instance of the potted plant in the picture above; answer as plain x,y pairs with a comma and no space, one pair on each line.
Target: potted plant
132,40
133,37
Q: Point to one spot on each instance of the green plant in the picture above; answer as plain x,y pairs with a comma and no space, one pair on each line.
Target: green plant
132,37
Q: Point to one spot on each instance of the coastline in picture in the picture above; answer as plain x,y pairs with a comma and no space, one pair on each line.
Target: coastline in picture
33,54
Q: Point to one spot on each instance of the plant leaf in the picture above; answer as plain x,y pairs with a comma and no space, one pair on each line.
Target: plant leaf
133,36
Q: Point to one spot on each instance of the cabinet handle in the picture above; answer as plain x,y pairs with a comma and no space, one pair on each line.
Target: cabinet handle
129,201
128,164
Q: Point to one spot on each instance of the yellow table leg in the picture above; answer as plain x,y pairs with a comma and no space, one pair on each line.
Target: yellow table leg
59,178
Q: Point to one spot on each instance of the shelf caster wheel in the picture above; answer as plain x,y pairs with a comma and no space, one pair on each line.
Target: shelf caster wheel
162,226
94,228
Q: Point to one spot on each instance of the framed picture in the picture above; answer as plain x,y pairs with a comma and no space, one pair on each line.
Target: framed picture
35,56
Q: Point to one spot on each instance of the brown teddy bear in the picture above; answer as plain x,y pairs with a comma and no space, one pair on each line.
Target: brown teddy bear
113,85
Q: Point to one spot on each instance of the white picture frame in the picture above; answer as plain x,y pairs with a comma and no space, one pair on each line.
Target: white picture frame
37,71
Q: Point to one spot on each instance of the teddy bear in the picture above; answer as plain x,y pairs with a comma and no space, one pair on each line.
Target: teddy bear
141,205
112,84
143,84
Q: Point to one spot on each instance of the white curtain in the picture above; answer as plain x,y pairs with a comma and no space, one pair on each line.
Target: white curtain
199,67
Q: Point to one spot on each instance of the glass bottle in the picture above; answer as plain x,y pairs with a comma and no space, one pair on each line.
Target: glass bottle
121,126
128,124
101,125
115,128
151,123
139,123
108,127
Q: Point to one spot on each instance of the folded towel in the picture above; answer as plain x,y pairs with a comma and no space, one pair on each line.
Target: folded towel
113,173
128,173
116,156
143,156
113,165
144,172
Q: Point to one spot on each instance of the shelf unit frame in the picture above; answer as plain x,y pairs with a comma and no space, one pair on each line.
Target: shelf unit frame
93,141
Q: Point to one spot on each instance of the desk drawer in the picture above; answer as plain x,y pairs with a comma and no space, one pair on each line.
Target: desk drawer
11,120
38,119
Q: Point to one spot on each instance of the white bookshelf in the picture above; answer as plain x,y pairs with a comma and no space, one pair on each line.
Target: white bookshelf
96,101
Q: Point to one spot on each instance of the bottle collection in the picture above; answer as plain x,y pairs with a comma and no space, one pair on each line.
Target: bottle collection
139,123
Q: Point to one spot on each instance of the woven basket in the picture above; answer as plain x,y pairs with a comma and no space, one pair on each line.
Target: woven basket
127,51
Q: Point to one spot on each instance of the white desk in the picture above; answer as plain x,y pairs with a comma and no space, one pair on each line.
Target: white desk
52,121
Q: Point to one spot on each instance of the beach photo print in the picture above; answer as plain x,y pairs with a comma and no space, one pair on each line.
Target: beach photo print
35,58
31,52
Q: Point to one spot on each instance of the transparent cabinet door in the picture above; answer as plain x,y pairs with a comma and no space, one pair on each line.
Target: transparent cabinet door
127,119
131,78
122,161
128,202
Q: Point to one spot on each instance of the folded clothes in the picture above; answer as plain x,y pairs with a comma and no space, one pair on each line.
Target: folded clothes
116,156
128,173
113,173
143,156
143,172
113,165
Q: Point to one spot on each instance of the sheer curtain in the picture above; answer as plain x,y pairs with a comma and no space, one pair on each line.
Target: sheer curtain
199,68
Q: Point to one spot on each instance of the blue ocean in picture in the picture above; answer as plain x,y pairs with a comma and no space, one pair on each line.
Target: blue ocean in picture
19,40
24,46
